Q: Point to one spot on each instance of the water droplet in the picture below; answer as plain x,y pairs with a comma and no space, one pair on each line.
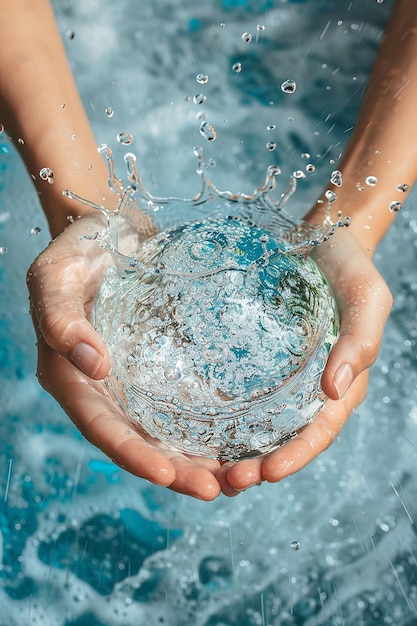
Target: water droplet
395,206
207,131
330,195
310,168
47,174
247,37
63,105
295,545
336,178
109,112
271,127
299,174
3,250
403,187
36,230
125,138
198,152
371,181
305,155
199,98
271,145
1,129
74,137
70,34
237,67
21,141
202,79
288,86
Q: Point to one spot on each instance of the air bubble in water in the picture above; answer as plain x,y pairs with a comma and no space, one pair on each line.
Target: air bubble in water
379,1
21,141
305,155
395,206
3,250
371,181
1,129
109,112
202,79
199,98
207,131
260,27
310,168
336,178
295,545
125,138
47,174
271,145
237,67
288,86
70,34
403,187
247,37
271,127
35,231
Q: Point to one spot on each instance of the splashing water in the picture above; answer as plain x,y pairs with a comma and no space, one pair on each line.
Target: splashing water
219,328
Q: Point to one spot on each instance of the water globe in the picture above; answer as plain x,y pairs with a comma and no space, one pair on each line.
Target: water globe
219,326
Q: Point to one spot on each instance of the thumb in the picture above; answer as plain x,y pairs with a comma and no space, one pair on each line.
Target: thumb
58,309
364,304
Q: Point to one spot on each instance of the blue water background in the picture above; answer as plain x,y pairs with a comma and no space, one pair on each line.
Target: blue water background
84,544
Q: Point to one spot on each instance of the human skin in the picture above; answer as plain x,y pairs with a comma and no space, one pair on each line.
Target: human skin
35,83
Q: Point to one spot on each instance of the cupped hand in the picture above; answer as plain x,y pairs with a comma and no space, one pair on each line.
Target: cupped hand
73,360
364,303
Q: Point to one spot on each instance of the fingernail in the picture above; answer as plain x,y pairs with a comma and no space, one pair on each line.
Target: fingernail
343,379
86,359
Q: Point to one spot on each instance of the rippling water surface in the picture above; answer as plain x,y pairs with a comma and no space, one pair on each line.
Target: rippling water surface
84,544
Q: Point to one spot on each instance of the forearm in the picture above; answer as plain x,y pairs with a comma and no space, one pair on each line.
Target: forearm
383,144
42,112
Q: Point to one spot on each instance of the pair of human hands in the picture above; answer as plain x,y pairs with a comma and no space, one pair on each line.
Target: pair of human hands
73,361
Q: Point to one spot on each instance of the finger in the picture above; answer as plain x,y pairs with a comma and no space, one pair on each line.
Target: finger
194,478
364,312
235,477
61,292
364,303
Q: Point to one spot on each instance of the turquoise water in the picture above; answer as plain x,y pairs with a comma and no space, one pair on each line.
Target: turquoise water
83,543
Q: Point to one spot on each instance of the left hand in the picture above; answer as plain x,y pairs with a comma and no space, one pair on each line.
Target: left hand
364,303
73,360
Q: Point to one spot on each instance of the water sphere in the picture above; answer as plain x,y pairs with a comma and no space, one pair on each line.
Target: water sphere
219,327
